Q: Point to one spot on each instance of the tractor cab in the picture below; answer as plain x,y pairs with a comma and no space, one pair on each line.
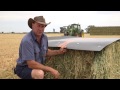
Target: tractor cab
74,29
75,26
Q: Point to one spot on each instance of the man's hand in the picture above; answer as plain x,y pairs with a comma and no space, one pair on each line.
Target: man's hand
63,50
55,73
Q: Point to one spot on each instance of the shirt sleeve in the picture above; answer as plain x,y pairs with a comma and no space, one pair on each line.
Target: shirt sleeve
27,51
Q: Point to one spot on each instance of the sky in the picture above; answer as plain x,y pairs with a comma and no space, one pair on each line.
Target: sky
17,21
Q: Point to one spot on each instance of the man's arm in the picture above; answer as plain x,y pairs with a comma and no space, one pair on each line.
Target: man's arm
35,65
55,52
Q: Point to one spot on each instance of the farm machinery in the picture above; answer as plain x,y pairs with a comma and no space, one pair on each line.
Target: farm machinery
72,30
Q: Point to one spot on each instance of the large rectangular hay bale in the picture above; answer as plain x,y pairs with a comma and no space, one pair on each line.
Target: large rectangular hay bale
77,64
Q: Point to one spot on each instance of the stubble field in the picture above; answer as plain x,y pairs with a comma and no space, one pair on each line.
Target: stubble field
9,46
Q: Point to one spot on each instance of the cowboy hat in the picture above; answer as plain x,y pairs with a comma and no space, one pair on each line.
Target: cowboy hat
38,19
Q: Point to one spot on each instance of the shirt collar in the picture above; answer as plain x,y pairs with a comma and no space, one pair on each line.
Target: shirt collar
33,35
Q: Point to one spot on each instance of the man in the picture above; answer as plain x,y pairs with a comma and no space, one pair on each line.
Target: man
33,50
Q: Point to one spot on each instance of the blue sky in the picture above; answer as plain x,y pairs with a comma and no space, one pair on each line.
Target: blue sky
16,21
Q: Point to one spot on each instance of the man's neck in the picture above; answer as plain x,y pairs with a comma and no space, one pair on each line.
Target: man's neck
38,38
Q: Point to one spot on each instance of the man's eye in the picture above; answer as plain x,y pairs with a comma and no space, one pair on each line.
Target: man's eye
42,26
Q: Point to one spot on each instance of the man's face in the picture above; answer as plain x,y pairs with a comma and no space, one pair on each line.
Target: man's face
38,28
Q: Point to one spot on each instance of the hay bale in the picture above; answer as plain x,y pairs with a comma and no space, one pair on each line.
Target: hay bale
77,64
107,62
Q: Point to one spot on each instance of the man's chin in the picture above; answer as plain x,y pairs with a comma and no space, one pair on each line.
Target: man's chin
39,34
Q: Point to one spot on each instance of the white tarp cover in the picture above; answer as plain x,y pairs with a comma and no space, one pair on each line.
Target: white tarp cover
78,43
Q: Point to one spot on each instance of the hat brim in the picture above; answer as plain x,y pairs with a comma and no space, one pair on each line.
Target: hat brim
30,21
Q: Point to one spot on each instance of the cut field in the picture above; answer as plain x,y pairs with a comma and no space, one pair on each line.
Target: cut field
9,46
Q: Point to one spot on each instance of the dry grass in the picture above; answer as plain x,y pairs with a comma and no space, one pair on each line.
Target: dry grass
101,36
107,62
9,46
54,34
72,65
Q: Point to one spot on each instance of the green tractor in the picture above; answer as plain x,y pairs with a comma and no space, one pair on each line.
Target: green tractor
74,30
